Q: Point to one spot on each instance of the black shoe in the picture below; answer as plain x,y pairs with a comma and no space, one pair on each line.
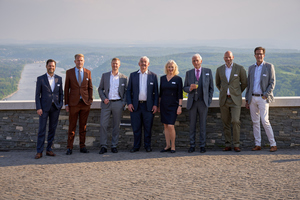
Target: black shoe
114,150
173,151
102,150
202,150
191,149
148,149
133,150
69,152
165,150
84,150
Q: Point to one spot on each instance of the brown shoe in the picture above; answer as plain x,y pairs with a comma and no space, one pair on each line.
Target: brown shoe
237,149
227,149
50,153
273,148
256,148
38,155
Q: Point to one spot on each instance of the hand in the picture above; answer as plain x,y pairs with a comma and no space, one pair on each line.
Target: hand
154,109
39,112
179,110
106,101
130,108
247,105
193,87
67,108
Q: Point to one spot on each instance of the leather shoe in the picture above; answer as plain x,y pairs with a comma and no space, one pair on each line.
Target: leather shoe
50,153
69,152
134,150
237,149
84,150
256,148
273,148
227,149
191,149
102,150
165,150
148,149
202,150
38,155
114,150
172,151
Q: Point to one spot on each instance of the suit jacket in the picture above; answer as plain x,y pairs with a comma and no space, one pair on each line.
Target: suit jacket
237,83
103,88
133,90
44,95
73,91
207,86
267,81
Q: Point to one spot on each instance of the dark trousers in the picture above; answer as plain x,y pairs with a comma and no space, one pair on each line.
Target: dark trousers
53,115
82,110
142,118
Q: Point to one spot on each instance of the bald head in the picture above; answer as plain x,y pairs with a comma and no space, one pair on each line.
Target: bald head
228,58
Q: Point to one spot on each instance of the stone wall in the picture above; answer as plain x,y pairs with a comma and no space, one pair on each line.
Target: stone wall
19,127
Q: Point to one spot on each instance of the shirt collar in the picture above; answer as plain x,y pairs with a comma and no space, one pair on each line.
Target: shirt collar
50,76
230,65
146,72
259,65
78,69
114,75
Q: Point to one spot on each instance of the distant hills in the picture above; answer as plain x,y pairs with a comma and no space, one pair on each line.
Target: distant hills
98,58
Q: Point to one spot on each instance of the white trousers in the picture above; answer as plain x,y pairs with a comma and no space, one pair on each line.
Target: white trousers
259,109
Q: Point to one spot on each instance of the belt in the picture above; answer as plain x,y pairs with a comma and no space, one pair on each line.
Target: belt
142,101
113,100
228,96
257,95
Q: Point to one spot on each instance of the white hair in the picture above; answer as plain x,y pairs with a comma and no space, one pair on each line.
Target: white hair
197,55
145,57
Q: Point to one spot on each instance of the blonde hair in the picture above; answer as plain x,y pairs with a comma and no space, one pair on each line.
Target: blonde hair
174,63
79,55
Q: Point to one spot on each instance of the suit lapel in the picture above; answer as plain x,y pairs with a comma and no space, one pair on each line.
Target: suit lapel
55,82
233,70
47,82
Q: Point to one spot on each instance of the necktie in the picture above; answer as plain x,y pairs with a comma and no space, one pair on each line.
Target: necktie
197,74
79,78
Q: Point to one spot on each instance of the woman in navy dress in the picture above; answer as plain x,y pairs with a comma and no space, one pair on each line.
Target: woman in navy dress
170,103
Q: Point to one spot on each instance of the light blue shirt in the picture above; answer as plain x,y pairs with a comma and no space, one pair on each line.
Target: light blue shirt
257,75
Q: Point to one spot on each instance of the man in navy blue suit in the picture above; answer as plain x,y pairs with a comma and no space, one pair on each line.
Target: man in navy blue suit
142,101
48,101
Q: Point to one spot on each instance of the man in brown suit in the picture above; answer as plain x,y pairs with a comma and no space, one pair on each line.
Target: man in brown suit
231,80
78,100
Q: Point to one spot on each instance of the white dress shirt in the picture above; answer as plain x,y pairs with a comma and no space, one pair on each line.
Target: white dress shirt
256,82
228,73
143,85
114,87
51,81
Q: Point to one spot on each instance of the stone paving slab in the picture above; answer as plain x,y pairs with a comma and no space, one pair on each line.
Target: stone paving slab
155,175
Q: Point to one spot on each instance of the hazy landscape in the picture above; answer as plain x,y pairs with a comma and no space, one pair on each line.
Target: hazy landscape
13,58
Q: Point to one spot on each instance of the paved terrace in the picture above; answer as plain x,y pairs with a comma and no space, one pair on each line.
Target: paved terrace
155,175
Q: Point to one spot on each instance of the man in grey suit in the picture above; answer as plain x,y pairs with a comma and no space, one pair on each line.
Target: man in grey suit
112,91
48,102
261,83
200,88
231,80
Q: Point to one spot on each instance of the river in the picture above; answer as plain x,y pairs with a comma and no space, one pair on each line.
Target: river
27,83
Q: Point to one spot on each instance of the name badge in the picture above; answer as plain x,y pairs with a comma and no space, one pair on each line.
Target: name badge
151,83
174,83
87,79
58,85
207,74
123,84
264,74
235,75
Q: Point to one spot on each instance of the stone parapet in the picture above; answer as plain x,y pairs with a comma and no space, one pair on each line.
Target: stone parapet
19,126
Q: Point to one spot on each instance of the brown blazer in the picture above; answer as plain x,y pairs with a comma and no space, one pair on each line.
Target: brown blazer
73,90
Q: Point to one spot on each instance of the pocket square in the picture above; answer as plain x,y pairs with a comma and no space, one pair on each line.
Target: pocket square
207,74
87,79
235,75
264,74
123,84
58,85
151,83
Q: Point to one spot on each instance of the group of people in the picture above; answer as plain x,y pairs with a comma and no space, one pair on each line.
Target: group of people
143,100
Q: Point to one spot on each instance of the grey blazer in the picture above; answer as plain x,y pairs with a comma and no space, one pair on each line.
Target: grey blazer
103,88
207,86
267,81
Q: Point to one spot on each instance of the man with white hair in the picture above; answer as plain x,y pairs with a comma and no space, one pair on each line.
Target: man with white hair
200,88
142,101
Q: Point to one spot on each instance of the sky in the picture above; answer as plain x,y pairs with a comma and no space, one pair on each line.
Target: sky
192,22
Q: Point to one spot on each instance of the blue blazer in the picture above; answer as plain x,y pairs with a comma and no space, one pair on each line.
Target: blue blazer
44,94
132,95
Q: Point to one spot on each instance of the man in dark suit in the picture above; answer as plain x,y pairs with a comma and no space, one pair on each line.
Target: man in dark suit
48,102
112,91
142,100
261,83
78,100
200,88
231,80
